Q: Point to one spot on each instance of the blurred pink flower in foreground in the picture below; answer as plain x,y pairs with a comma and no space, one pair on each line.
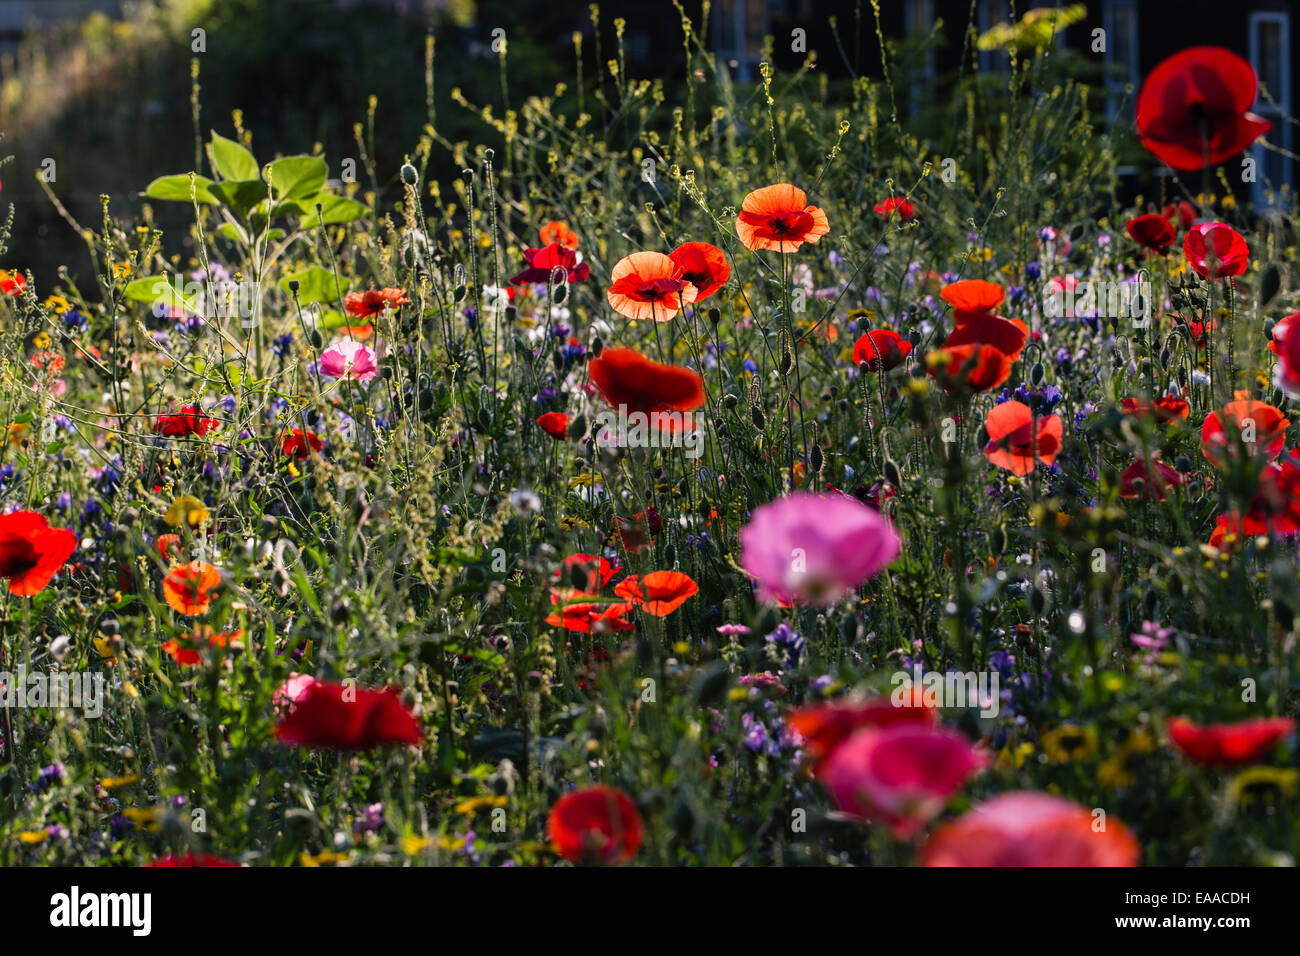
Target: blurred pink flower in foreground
815,547
348,359
1026,828
902,775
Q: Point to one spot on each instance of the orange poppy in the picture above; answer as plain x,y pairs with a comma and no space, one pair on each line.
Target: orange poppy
1014,442
779,218
649,285
625,377
165,542
587,618
188,588
968,368
703,266
1260,425
1168,408
658,593
970,297
184,651
558,231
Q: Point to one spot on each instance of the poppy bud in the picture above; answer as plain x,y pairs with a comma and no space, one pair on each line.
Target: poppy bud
484,418
597,346
559,292
578,577
387,372
458,294
891,472
294,286
670,555
426,399
816,459
1036,374
715,316
787,360
731,401
1183,464
578,427
316,340
757,417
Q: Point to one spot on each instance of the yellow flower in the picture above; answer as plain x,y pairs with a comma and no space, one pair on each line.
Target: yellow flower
1264,785
32,836
147,818
1069,742
106,650
325,856
186,509
57,303
473,805
113,783
412,845
121,269
1013,758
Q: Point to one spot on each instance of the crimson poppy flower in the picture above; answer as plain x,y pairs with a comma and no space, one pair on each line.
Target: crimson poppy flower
595,825
626,378
295,445
634,533
372,302
824,726
1260,425
1216,250
1199,331
581,612
347,717
1152,232
189,588
649,285
1026,828
895,205
971,297
901,775
190,858
1288,365
555,424
659,593
703,266
558,231
542,262
1194,109
189,421
1167,408
881,349
779,218
1014,444
1184,210
1280,330
968,368
1273,508
12,283
1229,744
1155,476
31,552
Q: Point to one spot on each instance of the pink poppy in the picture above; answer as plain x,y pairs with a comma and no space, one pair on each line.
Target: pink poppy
348,359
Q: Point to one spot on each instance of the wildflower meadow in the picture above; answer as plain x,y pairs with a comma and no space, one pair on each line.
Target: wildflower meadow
705,473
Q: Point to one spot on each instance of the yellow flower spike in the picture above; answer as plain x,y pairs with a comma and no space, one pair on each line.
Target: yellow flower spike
32,836
114,783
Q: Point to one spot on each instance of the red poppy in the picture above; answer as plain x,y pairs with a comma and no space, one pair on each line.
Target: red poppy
1194,108
659,593
779,218
1167,408
372,302
649,285
595,825
1229,744
189,858
578,611
881,349
31,552
1185,212
1280,330
1260,425
1152,232
1006,335
543,262
165,543
626,378
1155,476
596,571
636,532
703,266
1216,250
895,205
558,231
1014,444
189,588
294,445
824,726
12,283
968,368
1198,330
555,424
347,717
1288,366
970,297
189,421
1027,828
184,650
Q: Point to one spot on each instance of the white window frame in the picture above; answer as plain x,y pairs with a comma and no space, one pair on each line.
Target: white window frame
1277,115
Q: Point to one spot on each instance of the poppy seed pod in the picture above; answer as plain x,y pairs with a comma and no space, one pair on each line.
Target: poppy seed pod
409,175
294,286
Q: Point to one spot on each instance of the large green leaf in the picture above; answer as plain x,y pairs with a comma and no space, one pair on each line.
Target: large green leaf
177,188
334,209
158,291
231,160
316,285
298,177
240,195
